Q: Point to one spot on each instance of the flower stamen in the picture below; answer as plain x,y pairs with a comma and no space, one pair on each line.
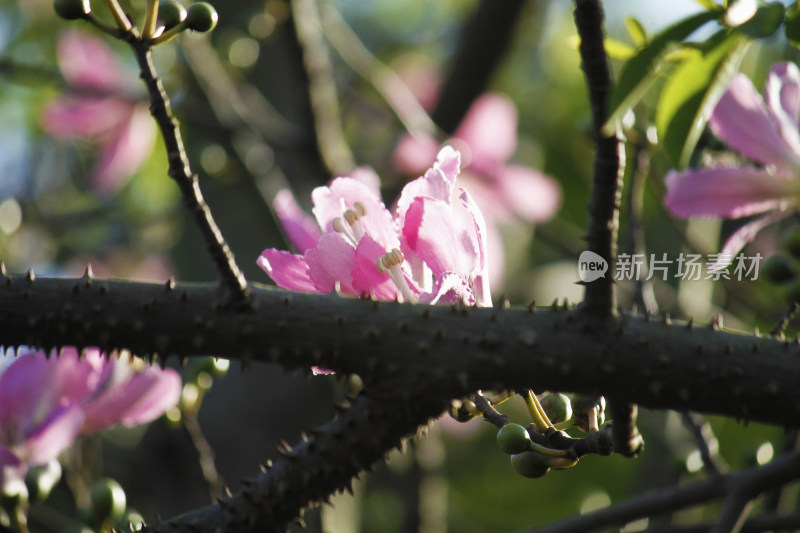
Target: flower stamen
353,230
390,264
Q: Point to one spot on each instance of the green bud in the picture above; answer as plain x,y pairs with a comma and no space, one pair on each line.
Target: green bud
779,269
41,479
201,17
557,406
513,439
131,518
170,13
767,20
72,9
530,464
108,502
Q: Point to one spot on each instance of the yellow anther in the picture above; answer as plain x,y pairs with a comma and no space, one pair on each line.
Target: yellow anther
389,260
351,217
360,208
338,227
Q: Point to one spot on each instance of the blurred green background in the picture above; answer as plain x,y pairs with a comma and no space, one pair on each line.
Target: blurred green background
52,220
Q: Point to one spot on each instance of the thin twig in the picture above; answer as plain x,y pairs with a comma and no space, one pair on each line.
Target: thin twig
609,162
322,90
705,440
491,414
205,453
745,484
390,86
232,278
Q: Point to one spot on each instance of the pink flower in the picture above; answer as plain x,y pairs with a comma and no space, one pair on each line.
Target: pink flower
433,249
766,131
46,403
100,109
504,192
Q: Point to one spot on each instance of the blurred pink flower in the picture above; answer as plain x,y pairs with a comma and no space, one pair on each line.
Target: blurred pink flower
766,131
46,403
99,108
431,250
505,193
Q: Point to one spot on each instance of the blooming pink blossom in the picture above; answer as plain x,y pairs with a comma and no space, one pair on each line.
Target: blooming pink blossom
766,131
46,403
432,249
504,192
99,108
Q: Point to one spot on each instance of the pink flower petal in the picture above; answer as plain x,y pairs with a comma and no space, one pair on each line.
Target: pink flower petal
87,62
490,130
301,229
437,182
332,262
432,232
84,118
21,394
53,435
782,94
288,270
728,192
451,288
141,399
368,177
480,271
367,279
331,202
748,232
741,120
415,153
533,196
124,153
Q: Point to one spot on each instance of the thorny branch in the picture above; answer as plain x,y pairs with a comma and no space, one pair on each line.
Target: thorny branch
609,167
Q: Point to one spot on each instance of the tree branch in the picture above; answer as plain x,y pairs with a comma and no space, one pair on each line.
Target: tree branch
609,162
232,278
423,350
746,482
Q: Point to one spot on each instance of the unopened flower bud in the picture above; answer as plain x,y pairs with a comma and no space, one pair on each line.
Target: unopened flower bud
513,439
530,464
108,502
72,9
170,13
201,17
557,406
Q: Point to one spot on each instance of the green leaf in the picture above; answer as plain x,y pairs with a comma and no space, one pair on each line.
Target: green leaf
792,24
636,31
708,4
617,49
765,22
692,92
638,73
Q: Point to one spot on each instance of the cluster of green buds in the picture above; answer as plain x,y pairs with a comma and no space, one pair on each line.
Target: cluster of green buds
164,19
200,376
552,412
108,509
782,268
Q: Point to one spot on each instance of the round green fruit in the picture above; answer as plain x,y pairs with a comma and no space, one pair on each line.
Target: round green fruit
513,438
779,269
171,13
557,406
108,501
201,17
72,9
530,464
